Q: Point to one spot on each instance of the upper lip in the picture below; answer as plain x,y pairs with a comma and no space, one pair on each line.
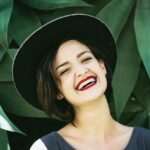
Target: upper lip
83,80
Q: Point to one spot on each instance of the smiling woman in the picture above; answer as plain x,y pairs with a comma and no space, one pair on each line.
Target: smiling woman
60,66
70,74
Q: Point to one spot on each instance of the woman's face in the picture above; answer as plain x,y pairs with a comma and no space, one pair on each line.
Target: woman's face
81,77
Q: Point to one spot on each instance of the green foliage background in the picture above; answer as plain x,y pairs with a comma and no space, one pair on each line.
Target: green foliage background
21,123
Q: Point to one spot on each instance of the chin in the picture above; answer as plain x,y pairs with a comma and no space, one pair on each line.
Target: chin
94,96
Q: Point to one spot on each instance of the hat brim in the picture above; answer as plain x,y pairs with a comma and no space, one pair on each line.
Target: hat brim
38,44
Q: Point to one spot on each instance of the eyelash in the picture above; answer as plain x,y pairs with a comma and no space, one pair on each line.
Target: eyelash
64,71
86,59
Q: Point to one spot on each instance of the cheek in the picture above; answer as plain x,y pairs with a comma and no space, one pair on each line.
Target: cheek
66,83
103,80
67,89
94,68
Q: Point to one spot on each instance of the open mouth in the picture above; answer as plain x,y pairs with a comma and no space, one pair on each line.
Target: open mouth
86,83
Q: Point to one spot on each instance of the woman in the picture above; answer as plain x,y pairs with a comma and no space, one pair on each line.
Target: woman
73,58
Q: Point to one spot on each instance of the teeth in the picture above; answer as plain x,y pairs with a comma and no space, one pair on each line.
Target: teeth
87,82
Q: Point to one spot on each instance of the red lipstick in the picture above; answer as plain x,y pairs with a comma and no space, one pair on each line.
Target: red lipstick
82,85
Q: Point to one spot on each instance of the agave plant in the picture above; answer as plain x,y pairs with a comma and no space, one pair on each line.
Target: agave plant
129,22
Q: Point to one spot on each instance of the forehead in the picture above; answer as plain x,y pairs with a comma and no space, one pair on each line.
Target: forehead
69,49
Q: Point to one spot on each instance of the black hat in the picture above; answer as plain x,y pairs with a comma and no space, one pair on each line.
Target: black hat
34,48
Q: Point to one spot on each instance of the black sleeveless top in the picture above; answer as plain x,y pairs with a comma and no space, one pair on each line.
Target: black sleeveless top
140,140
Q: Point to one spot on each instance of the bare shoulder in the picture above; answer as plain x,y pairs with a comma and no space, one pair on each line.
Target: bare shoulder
126,130
123,136
69,134
66,130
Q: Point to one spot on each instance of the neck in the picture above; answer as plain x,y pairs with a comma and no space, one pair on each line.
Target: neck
95,119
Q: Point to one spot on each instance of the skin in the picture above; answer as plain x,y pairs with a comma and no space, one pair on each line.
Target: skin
95,128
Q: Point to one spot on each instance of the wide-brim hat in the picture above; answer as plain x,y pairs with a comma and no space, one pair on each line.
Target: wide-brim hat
34,48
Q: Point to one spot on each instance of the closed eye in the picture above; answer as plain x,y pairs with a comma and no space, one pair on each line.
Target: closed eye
86,59
64,71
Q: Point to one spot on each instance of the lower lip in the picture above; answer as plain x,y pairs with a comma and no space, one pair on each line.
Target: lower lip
88,87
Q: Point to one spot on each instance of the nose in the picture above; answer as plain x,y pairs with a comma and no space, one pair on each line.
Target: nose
81,70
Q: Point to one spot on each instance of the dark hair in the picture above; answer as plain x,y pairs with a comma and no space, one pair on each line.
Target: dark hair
47,87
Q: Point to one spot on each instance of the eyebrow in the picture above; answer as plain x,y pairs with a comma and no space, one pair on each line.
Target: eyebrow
67,62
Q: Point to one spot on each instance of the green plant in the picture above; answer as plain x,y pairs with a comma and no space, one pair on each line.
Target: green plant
129,23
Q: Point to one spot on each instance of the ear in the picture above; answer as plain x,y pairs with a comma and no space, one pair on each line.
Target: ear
102,66
60,96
